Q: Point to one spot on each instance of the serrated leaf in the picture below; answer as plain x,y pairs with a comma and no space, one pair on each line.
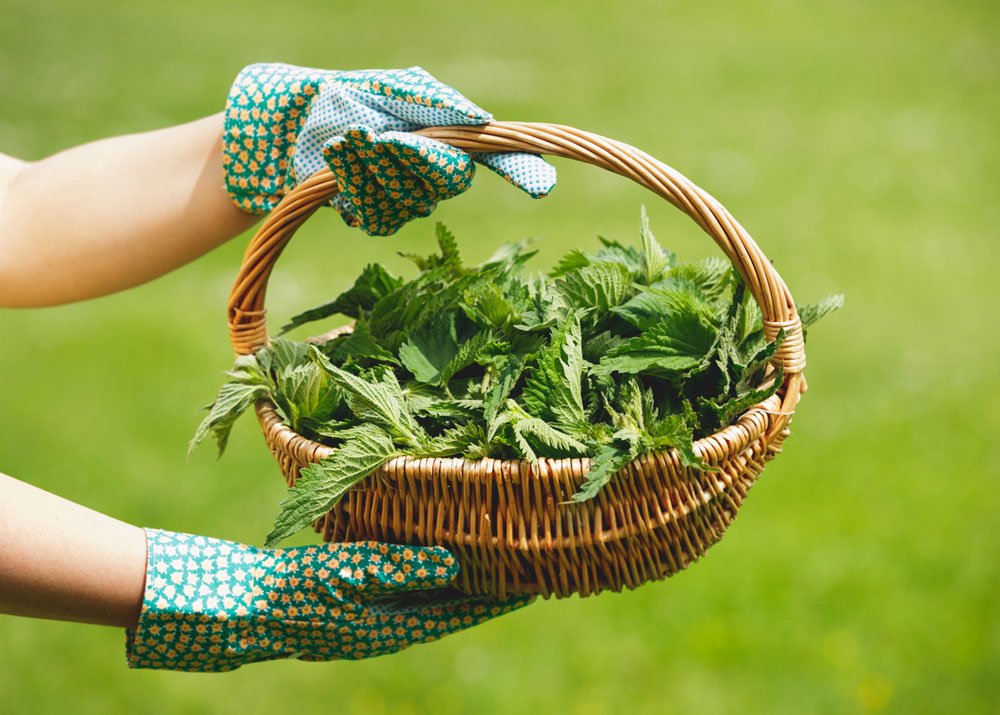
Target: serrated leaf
505,379
600,287
374,283
597,346
321,485
609,459
358,346
304,392
628,257
487,306
455,440
553,389
809,314
676,431
448,260
544,308
287,353
233,400
469,352
729,409
651,306
655,261
570,262
712,277
546,434
380,401
508,256
430,349
679,343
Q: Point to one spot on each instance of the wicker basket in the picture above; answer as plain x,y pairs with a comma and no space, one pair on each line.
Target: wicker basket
505,521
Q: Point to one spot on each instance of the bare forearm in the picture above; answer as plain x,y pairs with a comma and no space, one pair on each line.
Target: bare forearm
112,214
61,560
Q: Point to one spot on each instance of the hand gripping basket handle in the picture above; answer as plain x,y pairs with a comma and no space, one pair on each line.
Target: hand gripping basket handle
248,326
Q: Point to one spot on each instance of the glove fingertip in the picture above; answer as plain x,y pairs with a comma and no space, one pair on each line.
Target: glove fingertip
528,172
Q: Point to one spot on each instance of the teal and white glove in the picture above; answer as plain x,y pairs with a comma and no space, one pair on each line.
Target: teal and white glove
212,605
283,123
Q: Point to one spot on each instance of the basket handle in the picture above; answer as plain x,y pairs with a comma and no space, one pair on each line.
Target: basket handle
248,325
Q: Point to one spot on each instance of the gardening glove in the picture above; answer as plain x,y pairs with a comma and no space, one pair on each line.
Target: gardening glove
212,605
283,123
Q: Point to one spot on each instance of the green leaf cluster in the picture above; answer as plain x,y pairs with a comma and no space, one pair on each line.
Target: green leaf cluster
611,355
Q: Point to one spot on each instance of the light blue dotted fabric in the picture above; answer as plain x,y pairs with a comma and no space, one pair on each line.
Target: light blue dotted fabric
528,172
284,123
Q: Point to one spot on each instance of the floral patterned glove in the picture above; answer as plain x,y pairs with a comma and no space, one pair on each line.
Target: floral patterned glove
283,123
213,605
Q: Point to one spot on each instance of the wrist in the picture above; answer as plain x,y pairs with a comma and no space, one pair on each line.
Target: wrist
265,111
198,604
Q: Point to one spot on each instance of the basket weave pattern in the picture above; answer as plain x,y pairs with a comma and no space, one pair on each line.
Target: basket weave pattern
506,522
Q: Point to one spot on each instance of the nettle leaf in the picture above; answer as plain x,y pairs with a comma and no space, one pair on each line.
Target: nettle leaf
449,258
544,307
358,346
469,352
570,262
445,410
609,459
597,346
379,400
430,349
676,431
487,306
374,283
505,378
456,440
679,343
233,400
508,257
748,328
652,305
712,277
655,261
305,392
726,411
554,390
752,366
600,287
628,257
809,314
321,485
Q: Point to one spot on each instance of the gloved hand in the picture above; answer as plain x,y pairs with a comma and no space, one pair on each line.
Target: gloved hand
283,123
213,605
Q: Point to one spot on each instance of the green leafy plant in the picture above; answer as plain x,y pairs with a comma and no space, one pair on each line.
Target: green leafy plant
611,355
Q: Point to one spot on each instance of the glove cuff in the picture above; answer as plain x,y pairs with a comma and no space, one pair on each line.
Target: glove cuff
197,601
266,109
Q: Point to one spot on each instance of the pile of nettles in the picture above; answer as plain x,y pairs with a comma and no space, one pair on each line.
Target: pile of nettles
610,355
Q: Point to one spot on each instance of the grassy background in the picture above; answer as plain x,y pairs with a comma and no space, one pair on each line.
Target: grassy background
857,142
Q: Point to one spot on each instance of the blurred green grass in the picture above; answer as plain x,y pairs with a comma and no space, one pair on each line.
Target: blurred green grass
856,141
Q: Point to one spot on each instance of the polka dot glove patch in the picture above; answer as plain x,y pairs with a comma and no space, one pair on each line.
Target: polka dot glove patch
212,605
284,123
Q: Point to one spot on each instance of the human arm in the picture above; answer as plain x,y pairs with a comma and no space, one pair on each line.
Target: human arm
197,603
64,561
112,214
